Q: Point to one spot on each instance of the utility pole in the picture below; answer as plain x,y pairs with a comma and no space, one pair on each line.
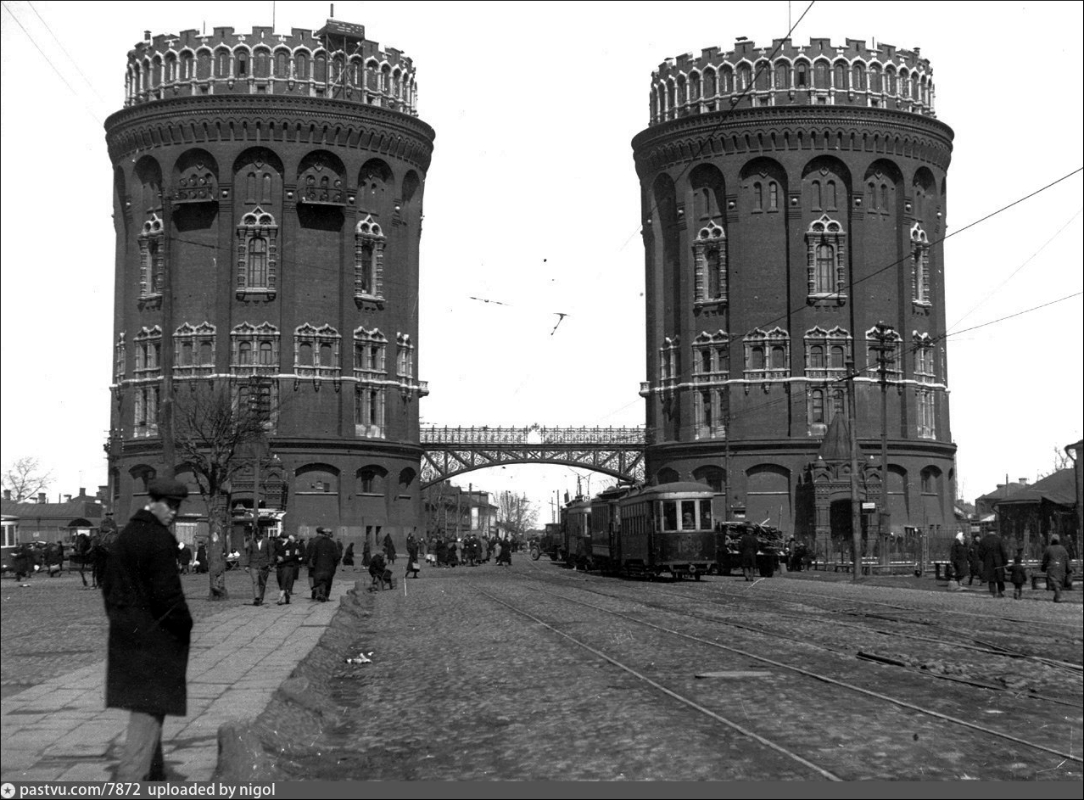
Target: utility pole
885,348
856,510
726,461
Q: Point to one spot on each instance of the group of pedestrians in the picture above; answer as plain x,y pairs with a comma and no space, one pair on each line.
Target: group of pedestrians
987,558
33,557
287,554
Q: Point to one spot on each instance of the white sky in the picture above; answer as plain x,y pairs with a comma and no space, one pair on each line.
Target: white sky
532,200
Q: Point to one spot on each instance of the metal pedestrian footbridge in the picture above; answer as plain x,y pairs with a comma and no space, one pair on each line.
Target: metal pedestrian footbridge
453,451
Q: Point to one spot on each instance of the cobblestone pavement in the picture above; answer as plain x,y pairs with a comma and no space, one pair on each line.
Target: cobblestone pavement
53,647
459,688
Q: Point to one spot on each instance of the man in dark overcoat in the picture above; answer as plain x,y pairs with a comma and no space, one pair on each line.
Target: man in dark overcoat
748,546
258,550
149,630
323,558
995,557
1056,566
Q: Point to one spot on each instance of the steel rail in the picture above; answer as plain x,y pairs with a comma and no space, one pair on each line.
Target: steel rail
819,677
669,692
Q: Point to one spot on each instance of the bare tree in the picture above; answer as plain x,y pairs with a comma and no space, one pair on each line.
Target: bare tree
25,478
215,431
516,512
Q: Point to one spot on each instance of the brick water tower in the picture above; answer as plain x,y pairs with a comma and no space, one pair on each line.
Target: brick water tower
793,198
267,198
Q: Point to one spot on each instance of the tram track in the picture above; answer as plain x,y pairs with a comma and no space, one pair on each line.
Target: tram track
849,686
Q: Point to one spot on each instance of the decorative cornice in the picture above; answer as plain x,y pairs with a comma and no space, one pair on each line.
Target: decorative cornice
266,119
776,129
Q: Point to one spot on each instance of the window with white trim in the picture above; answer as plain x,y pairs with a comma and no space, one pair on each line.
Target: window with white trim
920,266
767,355
668,361
254,350
826,259
148,353
368,260
709,262
823,403
370,348
194,350
709,413
404,357
927,413
892,355
369,411
145,422
711,357
119,359
925,370
257,254
152,258
826,353
316,351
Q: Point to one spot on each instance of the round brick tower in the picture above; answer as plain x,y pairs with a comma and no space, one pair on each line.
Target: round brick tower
793,198
267,201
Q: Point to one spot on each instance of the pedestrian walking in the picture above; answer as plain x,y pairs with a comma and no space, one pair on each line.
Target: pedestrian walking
1056,566
1018,574
366,552
974,563
995,557
201,558
389,548
348,557
149,630
748,546
958,557
412,556
323,558
258,550
287,558
184,558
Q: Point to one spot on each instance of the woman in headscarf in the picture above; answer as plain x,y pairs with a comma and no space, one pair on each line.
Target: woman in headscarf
958,557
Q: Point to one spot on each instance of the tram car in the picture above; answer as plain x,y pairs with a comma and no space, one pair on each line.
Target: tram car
727,544
550,542
576,529
651,531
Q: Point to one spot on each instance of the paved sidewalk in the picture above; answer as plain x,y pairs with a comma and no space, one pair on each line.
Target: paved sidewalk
60,730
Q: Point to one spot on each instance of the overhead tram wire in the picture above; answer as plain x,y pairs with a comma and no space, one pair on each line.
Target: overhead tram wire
725,115
1011,275
52,66
64,50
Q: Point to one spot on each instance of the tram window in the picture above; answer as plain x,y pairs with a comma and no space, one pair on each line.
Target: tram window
688,515
669,515
705,515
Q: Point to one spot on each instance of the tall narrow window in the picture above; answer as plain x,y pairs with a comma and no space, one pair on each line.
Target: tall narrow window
152,258
710,265
368,261
257,254
825,245
920,266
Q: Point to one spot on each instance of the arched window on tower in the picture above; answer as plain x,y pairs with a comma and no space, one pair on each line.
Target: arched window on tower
368,261
709,260
920,266
826,259
257,254
152,258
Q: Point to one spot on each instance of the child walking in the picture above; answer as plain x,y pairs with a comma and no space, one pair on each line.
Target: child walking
1019,576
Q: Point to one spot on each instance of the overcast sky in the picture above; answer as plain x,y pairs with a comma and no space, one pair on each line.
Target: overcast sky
532,201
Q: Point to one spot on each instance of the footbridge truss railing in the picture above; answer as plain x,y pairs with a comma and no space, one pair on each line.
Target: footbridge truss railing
453,451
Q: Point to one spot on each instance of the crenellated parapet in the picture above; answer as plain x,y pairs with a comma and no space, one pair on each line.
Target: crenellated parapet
788,75
336,62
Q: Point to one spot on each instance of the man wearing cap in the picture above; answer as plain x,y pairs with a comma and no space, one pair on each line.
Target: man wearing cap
149,630
323,558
